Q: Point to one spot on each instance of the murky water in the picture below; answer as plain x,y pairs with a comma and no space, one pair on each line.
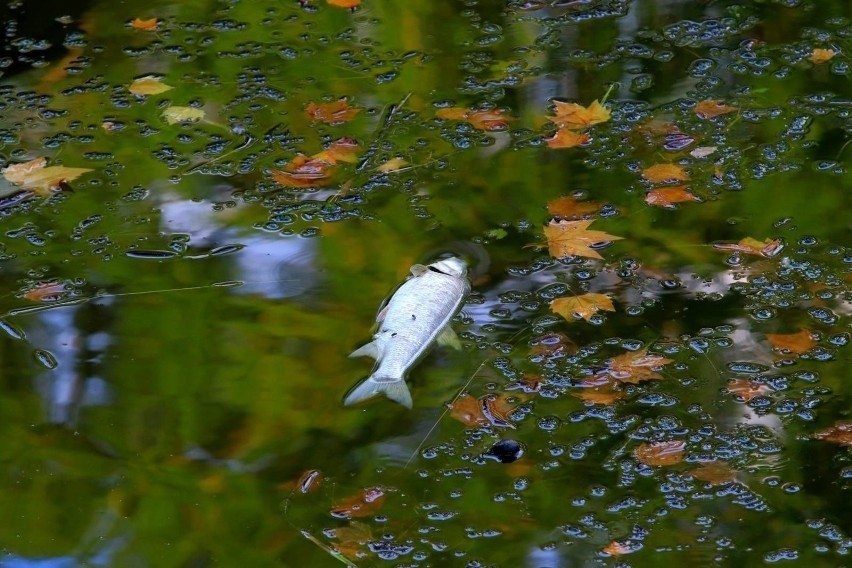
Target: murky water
653,198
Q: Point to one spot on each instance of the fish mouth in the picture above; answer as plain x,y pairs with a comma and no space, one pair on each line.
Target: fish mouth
460,258
452,266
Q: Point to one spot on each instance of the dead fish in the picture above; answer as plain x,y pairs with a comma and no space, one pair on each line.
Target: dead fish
417,315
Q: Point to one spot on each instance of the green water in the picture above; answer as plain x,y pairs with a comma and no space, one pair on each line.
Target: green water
176,322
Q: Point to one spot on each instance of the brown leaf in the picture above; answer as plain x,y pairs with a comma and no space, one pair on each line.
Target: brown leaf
663,173
583,306
661,453
303,171
145,25
712,109
33,175
567,238
344,3
47,292
564,138
332,113
714,473
616,548
819,55
468,411
481,119
749,245
747,389
668,196
553,345
309,481
569,208
362,504
636,366
496,410
352,540
577,117
840,433
342,150
599,389
796,343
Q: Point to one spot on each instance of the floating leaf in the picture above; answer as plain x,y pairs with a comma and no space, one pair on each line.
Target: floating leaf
712,109
496,410
662,173
714,473
363,504
599,389
819,55
481,119
796,343
583,306
668,196
616,548
661,453
146,25
176,114
392,165
564,138
47,292
148,86
749,245
553,345
703,151
840,433
577,117
468,410
344,3
342,150
635,366
567,238
332,113
33,175
303,171
747,389
352,540
570,208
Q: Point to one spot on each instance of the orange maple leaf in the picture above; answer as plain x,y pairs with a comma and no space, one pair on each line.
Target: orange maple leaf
583,306
481,119
712,109
570,208
567,238
564,138
795,343
146,25
839,433
577,117
668,196
749,245
819,55
635,366
47,292
34,175
747,389
661,173
661,453
489,409
332,113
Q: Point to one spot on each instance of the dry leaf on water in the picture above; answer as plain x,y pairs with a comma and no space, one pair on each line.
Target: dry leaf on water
714,473
476,412
352,540
712,109
819,55
392,165
176,114
635,366
47,292
344,3
616,548
35,176
599,389
568,238
342,150
796,343
481,119
564,138
747,389
578,117
332,113
316,170
570,208
661,453
749,245
145,25
664,173
583,306
362,504
148,86
840,433
668,196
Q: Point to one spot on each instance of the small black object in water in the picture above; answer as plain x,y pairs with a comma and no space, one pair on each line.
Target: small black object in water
506,451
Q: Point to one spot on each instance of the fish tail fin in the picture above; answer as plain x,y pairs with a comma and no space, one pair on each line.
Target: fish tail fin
394,389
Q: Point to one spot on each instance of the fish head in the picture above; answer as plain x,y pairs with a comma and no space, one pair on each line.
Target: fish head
453,266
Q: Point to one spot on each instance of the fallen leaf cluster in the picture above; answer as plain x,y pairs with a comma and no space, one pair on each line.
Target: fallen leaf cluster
317,170
572,120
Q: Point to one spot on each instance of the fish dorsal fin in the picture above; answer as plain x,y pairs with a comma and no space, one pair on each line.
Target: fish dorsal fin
368,350
418,270
449,338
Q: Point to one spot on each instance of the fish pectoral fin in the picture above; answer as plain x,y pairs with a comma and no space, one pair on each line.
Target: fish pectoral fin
419,269
368,350
449,338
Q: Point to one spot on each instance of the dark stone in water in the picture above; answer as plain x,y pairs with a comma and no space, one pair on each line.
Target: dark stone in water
506,451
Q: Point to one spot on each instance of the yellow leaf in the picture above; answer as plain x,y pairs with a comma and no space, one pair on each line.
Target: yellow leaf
712,109
145,25
667,196
344,3
660,173
564,138
303,171
796,343
33,175
635,366
566,238
819,55
584,306
342,150
577,117
148,86
175,114
569,208
392,165
481,119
